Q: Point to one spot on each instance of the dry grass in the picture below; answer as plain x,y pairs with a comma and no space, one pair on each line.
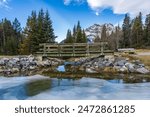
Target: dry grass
145,59
142,50
131,57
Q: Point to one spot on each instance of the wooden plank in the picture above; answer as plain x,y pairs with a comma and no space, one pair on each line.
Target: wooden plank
75,49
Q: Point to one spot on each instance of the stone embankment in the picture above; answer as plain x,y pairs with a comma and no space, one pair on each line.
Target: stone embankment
111,64
12,65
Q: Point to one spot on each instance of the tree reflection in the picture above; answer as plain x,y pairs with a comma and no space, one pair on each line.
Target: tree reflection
36,87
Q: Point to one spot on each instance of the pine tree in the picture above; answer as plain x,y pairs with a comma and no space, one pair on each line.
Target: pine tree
103,35
31,34
49,34
126,28
78,35
40,26
147,30
137,32
74,34
69,38
17,34
38,30
8,37
84,38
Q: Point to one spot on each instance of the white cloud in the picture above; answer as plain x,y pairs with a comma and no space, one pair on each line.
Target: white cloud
4,3
67,2
133,7
97,13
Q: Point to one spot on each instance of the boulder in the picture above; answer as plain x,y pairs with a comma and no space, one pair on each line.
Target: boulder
137,62
117,68
15,70
1,70
32,67
7,71
109,64
130,67
142,70
110,70
46,63
124,69
90,70
120,63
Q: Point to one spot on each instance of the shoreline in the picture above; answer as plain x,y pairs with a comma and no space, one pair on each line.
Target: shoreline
31,65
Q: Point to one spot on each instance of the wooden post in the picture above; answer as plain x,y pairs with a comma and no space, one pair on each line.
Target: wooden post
87,49
102,48
73,50
59,50
44,50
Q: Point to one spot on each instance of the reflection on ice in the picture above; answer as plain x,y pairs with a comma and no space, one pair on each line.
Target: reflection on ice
85,88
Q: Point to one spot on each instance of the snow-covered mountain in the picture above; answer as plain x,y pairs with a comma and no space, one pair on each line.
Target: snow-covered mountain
96,30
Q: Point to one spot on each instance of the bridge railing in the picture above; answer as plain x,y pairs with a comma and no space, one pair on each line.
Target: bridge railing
74,49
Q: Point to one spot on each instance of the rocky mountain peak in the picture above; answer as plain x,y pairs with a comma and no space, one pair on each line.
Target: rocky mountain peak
95,30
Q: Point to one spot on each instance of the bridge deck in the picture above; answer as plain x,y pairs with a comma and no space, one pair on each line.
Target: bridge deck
73,50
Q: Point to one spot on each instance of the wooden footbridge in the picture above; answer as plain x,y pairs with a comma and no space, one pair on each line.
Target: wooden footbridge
73,50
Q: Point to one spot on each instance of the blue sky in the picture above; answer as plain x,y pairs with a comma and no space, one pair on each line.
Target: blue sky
66,13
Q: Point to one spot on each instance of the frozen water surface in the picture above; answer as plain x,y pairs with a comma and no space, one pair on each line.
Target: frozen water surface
43,88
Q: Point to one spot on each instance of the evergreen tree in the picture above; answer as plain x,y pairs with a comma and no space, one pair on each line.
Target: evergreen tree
17,34
10,33
147,30
137,32
49,34
17,26
78,35
38,30
40,26
84,38
74,33
103,35
126,28
69,38
32,33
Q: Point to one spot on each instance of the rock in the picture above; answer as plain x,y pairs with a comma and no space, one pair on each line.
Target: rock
40,64
123,69
32,67
121,63
137,62
90,70
1,70
117,68
101,65
130,67
142,70
127,59
46,63
7,72
53,63
15,70
109,64
4,61
141,65
33,63
110,70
